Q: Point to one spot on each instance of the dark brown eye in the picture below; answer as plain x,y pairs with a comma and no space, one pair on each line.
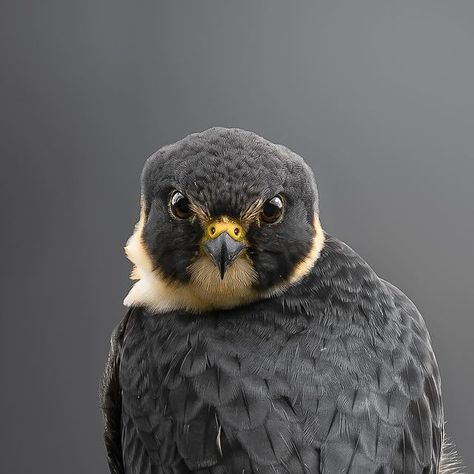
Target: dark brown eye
272,210
180,206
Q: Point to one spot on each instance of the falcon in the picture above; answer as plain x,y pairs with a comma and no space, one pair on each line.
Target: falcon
254,341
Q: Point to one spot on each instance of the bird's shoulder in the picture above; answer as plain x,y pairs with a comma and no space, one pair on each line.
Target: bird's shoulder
401,382
111,397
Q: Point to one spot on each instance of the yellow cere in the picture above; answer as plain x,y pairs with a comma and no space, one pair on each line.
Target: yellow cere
224,224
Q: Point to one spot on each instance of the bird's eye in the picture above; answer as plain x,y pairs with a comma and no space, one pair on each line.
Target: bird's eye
180,206
272,210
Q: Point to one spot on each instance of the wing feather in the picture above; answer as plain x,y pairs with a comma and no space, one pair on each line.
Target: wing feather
111,399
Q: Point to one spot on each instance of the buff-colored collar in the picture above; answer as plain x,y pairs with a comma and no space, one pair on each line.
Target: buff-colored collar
205,290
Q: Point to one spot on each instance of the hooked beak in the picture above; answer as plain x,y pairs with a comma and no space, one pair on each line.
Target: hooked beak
223,250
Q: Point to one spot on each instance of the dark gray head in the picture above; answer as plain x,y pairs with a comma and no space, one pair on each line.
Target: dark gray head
226,196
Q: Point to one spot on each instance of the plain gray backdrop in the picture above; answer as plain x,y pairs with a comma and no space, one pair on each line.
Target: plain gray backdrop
378,96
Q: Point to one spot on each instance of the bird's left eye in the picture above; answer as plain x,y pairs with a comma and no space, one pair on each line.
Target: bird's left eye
272,210
180,206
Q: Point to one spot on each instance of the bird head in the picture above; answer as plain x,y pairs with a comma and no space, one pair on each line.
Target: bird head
226,218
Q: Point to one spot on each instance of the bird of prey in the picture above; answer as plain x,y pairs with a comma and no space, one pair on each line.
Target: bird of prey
254,341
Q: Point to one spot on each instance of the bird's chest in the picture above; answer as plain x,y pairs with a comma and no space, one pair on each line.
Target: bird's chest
221,363
207,387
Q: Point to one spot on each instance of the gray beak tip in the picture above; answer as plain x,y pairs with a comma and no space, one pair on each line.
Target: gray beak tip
223,251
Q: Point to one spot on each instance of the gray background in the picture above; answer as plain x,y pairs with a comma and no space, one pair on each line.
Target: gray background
378,96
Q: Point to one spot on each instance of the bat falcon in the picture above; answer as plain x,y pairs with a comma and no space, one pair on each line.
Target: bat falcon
254,341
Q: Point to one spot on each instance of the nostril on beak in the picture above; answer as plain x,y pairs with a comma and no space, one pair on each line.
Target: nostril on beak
224,225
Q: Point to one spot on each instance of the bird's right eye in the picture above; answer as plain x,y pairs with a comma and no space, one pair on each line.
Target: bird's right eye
180,206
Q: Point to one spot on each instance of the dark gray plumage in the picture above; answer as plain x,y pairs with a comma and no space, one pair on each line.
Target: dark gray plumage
335,374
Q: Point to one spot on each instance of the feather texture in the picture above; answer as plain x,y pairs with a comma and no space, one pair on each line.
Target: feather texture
336,375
